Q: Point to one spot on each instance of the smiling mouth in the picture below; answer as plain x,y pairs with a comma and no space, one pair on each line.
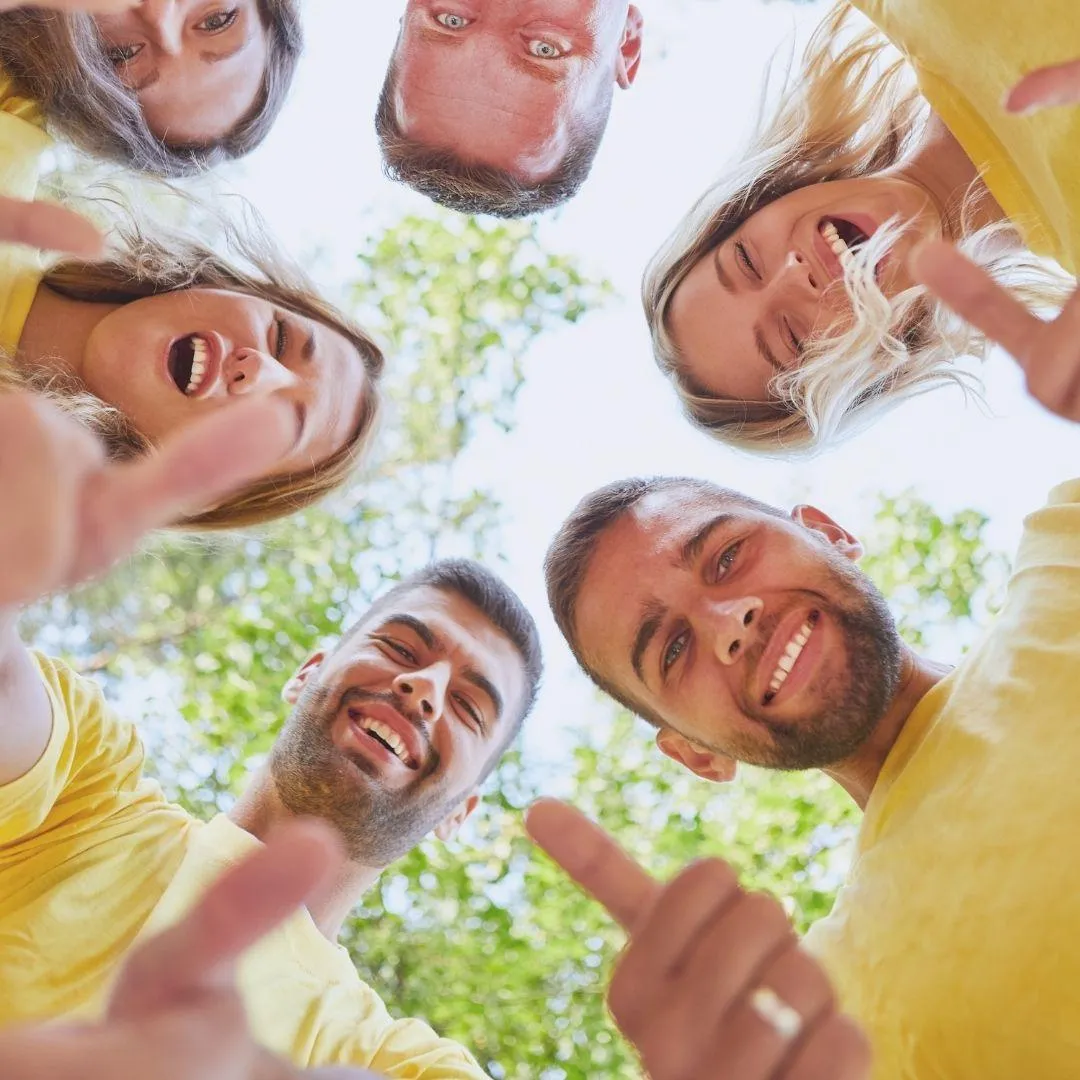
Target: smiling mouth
189,363
790,657
843,238
384,735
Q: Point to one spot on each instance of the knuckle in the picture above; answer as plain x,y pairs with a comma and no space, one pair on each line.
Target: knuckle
765,911
713,875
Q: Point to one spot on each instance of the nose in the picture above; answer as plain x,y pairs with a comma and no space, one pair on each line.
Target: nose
798,270
249,371
733,626
165,23
425,690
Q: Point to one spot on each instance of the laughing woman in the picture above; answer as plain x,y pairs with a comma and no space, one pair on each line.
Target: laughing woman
169,87
164,330
782,307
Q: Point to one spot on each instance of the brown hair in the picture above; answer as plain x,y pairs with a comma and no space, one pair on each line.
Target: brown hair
59,60
147,265
471,187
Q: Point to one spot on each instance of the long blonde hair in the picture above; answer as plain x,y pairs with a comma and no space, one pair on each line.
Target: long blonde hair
153,260
853,111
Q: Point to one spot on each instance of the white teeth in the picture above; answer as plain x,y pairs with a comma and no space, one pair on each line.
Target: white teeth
201,352
792,652
388,736
836,244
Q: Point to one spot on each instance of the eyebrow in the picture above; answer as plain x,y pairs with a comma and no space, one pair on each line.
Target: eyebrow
432,642
759,338
308,351
688,554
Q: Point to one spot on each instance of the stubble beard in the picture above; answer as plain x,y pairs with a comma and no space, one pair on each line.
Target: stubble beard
313,778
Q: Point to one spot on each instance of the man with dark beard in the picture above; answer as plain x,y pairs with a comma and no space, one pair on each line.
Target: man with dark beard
391,736
746,634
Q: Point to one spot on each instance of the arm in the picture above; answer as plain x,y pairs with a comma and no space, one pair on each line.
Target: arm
68,514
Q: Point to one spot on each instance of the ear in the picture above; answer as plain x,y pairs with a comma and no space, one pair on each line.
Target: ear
629,61
290,692
707,764
810,517
448,827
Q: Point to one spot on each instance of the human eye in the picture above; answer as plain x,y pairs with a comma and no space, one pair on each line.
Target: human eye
744,257
727,559
452,21
282,340
673,651
793,339
398,649
123,54
470,711
546,50
217,21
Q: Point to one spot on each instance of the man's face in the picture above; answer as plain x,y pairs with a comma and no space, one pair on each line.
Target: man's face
749,635
504,83
392,733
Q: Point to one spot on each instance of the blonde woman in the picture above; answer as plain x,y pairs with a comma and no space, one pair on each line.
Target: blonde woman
169,87
783,308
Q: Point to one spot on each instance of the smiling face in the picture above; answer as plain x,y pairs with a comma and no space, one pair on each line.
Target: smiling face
743,313
506,83
747,634
196,66
166,360
393,732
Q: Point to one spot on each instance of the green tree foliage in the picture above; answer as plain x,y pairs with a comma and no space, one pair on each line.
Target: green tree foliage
484,938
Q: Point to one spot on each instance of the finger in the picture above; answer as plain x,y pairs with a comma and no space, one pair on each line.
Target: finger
593,860
48,227
1058,84
975,296
241,907
192,471
836,1050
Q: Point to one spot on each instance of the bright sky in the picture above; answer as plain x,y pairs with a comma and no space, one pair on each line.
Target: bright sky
594,408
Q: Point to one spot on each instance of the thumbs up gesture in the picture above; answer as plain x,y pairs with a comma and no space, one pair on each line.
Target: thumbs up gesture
713,984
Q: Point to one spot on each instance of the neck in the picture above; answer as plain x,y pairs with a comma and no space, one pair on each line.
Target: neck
56,332
858,774
258,811
950,180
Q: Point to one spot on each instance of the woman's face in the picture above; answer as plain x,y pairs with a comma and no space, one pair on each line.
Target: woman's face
196,66
165,360
743,312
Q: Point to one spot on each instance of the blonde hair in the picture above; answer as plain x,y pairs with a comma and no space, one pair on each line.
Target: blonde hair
149,263
853,112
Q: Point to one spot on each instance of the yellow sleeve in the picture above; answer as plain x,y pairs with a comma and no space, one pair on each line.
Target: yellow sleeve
410,1050
14,104
1051,538
91,765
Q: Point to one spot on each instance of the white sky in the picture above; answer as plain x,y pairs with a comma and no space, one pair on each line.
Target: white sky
594,408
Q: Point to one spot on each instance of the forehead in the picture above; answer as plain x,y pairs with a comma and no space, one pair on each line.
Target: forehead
464,633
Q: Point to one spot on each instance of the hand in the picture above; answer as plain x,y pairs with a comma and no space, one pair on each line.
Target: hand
175,1013
70,514
1049,352
687,988
1055,85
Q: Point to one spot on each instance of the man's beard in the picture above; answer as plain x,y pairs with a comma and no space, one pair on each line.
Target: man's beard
314,778
854,707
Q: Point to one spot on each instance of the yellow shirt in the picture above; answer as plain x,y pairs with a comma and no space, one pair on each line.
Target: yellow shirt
954,940
967,54
92,856
23,143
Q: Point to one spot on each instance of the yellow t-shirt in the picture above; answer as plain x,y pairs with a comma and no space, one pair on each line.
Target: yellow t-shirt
23,143
954,940
967,54
93,856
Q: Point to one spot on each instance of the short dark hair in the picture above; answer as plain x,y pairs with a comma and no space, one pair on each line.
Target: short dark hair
471,187
571,552
495,600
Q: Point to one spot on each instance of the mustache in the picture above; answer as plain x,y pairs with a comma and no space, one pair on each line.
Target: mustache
356,695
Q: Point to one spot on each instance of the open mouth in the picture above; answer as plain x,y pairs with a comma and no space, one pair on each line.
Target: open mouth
384,735
189,363
790,656
843,238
